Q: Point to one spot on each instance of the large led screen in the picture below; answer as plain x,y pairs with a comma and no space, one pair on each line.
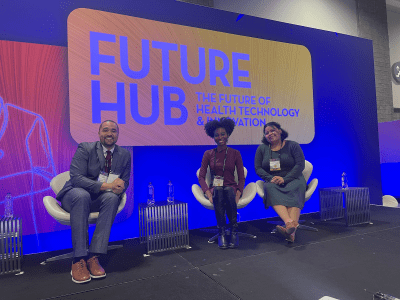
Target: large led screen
162,82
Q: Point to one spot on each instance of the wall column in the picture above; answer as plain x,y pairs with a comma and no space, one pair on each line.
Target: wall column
372,24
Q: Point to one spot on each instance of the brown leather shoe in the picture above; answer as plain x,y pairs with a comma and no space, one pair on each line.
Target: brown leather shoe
79,272
282,231
95,269
291,237
290,227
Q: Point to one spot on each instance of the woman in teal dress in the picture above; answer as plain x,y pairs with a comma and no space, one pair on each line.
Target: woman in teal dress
280,163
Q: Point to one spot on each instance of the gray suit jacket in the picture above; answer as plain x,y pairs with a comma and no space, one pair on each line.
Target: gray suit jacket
87,163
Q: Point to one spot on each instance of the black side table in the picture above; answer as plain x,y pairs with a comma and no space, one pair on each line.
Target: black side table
164,226
10,244
352,203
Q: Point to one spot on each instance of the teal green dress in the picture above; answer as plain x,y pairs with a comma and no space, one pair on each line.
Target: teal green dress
292,162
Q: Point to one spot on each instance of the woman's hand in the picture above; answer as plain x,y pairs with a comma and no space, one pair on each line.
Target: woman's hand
278,180
209,195
238,194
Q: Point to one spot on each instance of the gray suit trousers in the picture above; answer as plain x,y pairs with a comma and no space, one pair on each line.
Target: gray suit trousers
80,203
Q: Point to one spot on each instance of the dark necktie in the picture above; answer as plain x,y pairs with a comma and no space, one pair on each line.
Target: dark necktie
108,162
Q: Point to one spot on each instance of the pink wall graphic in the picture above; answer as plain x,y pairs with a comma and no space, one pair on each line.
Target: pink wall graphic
35,140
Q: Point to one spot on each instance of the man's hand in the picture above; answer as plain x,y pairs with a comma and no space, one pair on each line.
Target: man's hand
238,194
117,186
209,195
277,180
119,183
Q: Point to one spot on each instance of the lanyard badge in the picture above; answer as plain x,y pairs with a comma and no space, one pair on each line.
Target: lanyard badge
275,164
218,180
103,176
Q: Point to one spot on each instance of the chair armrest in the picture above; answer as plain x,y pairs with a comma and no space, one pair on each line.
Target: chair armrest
311,188
249,193
260,188
122,203
199,195
56,211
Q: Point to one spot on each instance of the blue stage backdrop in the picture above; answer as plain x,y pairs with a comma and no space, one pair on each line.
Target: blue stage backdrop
344,101
389,143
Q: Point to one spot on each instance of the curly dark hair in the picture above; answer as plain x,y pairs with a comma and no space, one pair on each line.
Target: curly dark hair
284,134
224,122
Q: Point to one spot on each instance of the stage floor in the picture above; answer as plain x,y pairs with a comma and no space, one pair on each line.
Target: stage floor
337,261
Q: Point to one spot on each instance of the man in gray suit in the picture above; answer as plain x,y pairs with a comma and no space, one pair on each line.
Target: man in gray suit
100,174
